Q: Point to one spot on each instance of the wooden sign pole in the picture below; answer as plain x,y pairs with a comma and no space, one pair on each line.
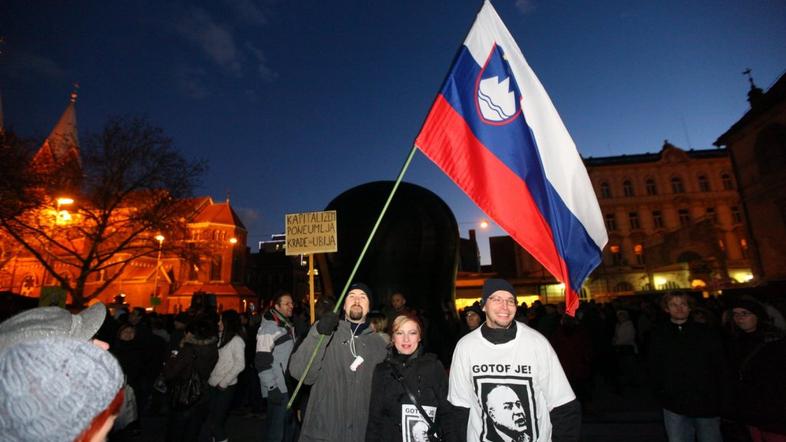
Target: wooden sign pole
311,301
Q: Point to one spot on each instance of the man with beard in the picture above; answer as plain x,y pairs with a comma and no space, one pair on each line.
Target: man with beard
502,353
275,340
507,415
341,372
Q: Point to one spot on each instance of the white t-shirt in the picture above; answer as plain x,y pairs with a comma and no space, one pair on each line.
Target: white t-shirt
509,388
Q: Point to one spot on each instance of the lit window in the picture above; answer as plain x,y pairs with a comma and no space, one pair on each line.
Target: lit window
616,256
638,250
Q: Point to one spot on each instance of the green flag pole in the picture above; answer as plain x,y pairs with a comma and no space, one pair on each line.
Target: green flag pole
354,270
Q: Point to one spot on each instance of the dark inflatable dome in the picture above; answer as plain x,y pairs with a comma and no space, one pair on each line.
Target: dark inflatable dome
415,250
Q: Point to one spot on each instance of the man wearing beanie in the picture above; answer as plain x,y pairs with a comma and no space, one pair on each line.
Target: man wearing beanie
507,379
341,372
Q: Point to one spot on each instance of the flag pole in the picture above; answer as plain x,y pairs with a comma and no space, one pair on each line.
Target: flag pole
355,269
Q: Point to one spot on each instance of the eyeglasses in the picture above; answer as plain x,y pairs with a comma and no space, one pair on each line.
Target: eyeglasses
498,300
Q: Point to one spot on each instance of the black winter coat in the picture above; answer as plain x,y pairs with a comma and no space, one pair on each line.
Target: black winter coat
759,361
688,369
202,353
427,380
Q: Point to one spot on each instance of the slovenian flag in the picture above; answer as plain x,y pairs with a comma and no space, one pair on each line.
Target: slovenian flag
494,131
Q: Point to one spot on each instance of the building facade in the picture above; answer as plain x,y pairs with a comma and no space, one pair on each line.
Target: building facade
757,144
674,220
210,256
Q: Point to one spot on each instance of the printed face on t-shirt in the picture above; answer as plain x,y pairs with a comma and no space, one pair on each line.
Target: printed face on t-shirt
505,409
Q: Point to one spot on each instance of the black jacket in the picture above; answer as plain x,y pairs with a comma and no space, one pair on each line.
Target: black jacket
427,380
759,362
202,353
688,369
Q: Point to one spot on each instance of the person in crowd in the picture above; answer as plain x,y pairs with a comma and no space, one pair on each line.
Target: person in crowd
758,357
180,322
549,321
399,304
378,323
131,356
159,329
423,375
58,388
248,400
625,350
687,369
54,321
473,317
341,372
503,352
197,350
223,378
573,346
275,341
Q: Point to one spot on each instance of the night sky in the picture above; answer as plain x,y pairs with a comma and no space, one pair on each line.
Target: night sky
294,102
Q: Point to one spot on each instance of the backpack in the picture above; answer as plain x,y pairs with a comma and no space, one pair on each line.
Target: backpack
186,390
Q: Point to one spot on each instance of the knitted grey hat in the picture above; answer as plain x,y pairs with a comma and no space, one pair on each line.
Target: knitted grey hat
52,388
51,321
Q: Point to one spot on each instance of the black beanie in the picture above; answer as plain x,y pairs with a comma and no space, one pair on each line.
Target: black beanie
493,285
751,306
366,290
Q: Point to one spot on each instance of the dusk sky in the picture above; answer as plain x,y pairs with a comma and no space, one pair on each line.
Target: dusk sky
292,103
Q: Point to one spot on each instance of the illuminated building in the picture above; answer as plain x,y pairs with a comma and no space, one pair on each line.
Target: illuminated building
674,220
165,280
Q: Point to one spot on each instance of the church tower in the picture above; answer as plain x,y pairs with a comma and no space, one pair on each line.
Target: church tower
58,158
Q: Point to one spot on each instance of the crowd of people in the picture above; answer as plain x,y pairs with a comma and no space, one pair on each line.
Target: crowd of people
370,373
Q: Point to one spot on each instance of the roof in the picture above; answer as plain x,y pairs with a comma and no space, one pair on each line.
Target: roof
772,97
219,213
63,141
654,157
218,289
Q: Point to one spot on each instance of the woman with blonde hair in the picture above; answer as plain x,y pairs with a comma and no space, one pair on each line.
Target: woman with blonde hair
409,387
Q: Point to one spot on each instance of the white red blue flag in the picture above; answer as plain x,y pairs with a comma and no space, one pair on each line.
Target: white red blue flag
494,131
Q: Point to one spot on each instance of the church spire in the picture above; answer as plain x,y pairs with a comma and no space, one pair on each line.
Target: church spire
58,157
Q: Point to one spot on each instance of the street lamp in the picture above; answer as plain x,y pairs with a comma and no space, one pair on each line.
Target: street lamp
62,216
160,238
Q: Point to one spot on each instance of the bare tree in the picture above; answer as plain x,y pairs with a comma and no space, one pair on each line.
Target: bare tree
134,185
19,186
